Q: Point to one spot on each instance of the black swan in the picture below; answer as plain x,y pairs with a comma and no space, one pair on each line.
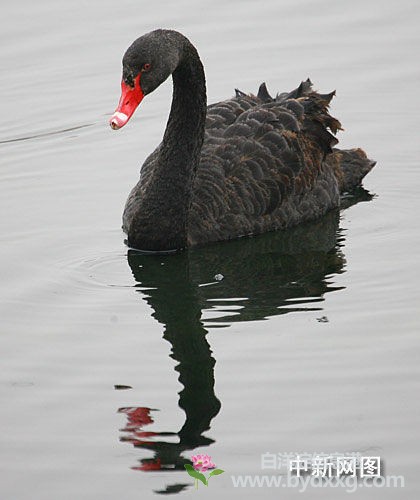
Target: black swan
240,167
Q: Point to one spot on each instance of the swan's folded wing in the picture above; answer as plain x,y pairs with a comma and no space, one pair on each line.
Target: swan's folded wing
225,113
265,168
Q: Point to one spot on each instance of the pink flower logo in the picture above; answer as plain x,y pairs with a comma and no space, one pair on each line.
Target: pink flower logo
201,463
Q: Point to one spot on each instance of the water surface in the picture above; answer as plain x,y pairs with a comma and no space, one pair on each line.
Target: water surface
117,367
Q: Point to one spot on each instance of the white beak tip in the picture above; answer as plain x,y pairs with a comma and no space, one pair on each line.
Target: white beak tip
118,120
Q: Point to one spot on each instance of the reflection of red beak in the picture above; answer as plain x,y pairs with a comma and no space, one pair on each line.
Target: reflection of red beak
137,417
149,465
130,98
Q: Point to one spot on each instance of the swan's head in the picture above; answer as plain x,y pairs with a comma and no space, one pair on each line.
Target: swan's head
146,64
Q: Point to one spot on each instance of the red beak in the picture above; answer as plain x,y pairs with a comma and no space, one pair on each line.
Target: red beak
130,98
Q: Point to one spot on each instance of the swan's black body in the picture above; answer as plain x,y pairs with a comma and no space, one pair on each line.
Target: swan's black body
239,167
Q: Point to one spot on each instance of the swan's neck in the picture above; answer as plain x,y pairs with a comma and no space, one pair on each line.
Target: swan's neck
165,202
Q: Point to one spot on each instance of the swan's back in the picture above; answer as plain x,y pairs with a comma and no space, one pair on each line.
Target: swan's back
268,163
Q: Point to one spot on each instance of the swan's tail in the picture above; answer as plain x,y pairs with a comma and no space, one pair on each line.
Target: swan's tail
350,166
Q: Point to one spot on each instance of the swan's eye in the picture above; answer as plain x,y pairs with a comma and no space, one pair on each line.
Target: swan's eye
146,67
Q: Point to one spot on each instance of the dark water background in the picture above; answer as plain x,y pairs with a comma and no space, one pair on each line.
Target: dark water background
308,344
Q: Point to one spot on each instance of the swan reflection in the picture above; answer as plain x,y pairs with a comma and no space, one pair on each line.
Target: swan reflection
269,275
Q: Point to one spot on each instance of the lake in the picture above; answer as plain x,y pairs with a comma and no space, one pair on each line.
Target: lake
118,367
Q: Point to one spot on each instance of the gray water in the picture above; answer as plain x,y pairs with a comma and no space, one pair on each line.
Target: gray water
309,343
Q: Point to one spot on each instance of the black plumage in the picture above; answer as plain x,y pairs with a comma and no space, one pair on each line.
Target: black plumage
250,164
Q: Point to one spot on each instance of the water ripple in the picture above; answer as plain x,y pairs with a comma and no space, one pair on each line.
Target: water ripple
46,134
